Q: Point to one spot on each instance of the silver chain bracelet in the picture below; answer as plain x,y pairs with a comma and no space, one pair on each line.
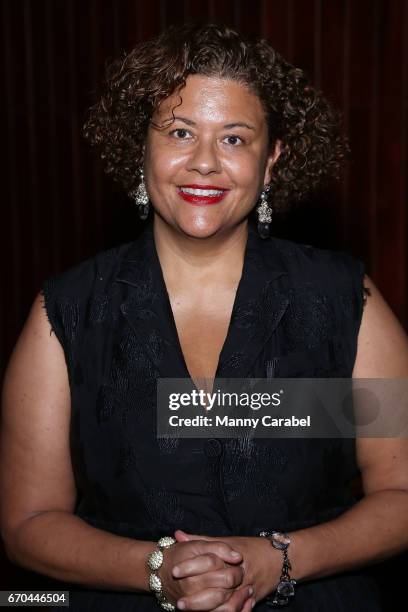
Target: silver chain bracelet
285,588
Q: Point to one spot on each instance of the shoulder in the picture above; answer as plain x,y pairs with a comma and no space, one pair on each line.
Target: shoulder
82,277
81,293
332,269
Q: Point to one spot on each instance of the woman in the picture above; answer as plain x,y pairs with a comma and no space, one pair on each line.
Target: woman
204,126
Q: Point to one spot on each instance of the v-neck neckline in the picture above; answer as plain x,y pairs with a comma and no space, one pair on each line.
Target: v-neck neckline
159,276
261,299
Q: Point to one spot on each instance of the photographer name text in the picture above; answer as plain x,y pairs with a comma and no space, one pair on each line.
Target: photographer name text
225,421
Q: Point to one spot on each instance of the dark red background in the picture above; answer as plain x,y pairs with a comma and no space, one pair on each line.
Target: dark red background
57,206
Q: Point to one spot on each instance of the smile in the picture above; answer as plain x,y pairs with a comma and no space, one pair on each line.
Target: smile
202,196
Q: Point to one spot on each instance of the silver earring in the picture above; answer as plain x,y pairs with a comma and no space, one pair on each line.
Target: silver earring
264,214
141,198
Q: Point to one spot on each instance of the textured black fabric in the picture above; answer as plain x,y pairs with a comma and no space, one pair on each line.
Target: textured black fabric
296,313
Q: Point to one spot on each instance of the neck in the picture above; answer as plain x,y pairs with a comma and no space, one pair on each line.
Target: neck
213,260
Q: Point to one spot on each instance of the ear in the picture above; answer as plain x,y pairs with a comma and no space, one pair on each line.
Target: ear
270,162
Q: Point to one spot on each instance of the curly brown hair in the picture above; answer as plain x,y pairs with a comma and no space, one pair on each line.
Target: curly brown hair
309,128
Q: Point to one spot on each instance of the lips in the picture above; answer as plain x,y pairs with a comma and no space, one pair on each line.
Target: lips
202,194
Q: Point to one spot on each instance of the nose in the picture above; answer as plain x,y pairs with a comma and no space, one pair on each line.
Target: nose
204,158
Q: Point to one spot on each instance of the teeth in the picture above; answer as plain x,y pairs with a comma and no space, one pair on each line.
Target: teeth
202,192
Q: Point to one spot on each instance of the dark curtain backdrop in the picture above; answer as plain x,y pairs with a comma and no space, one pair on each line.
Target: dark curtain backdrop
57,206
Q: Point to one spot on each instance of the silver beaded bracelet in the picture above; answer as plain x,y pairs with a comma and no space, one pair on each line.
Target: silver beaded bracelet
155,561
285,588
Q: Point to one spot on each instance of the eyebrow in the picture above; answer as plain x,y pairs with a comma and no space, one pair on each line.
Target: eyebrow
227,126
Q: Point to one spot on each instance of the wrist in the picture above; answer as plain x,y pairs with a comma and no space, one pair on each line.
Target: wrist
154,562
136,566
271,566
305,556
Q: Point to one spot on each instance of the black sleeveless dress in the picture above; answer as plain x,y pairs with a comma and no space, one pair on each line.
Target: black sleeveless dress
297,313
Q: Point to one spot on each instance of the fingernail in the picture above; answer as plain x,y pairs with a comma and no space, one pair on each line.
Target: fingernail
181,605
236,554
253,602
176,571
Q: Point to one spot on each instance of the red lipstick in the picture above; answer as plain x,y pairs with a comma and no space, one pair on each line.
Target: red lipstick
204,198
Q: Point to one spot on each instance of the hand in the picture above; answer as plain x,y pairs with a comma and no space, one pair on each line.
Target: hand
232,598
261,563
217,574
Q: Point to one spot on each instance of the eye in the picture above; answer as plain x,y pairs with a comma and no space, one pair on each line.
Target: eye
182,133
234,137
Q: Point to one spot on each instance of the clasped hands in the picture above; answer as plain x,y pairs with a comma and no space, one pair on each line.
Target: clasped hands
203,573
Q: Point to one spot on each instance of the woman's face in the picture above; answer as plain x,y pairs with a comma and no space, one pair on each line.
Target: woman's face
204,172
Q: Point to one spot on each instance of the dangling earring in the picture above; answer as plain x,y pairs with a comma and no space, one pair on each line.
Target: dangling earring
264,214
141,197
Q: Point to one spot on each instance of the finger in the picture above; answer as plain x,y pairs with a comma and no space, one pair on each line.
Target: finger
248,605
224,550
200,564
226,578
220,548
214,599
208,599
240,601
183,536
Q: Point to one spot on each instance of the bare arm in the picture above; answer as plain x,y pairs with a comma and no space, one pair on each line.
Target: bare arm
377,526
38,493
